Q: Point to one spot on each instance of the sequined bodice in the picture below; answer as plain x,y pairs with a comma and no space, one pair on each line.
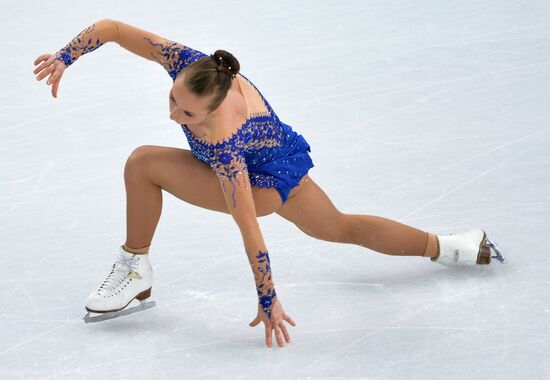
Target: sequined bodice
258,139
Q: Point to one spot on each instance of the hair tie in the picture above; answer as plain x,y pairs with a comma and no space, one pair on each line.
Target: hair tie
220,58
224,64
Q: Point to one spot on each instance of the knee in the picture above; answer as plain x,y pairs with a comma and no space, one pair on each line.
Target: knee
334,230
339,230
137,161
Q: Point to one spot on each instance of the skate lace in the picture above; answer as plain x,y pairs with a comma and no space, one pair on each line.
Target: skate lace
498,256
119,272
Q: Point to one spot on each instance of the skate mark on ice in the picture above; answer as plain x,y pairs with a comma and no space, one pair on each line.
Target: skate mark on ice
363,123
75,110
9,349
313,284
172,350
13,207
367,335
204,268
473,329
44,168
464,184
482,210
429,303
444,168
28,296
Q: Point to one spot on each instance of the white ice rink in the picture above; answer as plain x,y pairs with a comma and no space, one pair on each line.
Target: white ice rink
432,113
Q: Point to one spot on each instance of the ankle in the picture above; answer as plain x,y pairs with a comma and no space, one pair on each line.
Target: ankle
139,251
432,247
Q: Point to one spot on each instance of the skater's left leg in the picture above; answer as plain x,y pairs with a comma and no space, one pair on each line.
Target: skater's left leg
311,210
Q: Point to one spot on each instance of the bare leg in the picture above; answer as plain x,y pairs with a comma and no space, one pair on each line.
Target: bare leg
387,236
143,206
311,210
151,169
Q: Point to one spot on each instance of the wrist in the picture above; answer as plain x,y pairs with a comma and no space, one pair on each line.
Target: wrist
64,56
267,300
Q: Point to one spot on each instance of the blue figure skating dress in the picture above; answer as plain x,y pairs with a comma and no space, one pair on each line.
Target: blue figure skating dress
273,154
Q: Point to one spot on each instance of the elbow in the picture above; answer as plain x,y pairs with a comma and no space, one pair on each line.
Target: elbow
113,27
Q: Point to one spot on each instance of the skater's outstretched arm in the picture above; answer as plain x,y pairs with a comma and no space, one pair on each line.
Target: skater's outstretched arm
173,56
235,185
231,169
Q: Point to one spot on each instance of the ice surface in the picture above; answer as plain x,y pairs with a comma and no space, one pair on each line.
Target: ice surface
432,113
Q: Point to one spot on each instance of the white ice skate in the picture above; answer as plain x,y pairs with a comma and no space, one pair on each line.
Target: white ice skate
465,249
131,278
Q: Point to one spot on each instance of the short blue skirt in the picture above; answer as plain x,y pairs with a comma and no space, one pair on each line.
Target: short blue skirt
285,171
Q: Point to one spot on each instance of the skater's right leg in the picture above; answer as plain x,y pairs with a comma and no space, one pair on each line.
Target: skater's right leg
150,169
143,204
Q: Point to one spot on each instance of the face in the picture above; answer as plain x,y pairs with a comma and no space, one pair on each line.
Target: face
186,107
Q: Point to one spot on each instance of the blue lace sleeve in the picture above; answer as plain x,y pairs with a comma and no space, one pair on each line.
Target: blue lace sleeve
173,56
230,166
261,266
227,162
86,41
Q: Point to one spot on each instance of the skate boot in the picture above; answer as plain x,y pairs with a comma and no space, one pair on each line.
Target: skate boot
130,278
468,248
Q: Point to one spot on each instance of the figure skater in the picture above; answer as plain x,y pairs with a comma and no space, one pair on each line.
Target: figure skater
243,161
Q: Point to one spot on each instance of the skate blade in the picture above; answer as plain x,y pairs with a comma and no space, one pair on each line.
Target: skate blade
98,317
493,246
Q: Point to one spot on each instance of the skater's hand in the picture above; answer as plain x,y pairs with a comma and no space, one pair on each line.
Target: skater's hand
51,66
275,323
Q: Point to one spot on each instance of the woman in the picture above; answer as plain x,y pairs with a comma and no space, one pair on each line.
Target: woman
243,161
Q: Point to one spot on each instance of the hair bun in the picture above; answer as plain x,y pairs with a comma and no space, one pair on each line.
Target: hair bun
228,61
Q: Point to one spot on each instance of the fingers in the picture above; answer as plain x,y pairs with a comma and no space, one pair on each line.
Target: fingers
41,67
280,333
55,77
41,58
288,319
268,337
255,321
278,336
285,332
54,88
47,71
48,67
275,322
